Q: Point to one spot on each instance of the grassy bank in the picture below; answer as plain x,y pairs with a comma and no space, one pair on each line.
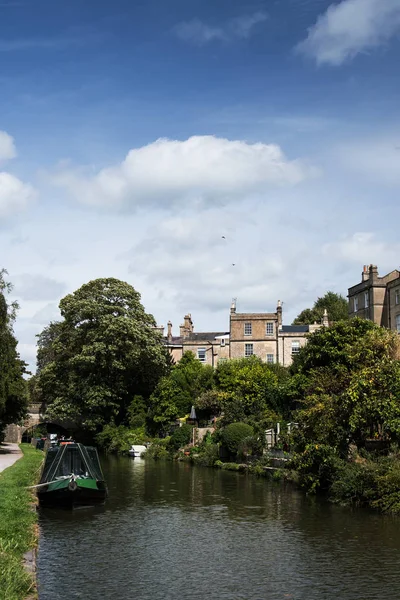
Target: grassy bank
17,524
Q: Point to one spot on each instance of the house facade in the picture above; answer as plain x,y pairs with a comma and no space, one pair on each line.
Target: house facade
376,298
250,334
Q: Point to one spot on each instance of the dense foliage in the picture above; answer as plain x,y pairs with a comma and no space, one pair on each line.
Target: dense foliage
335,304
13,393
104,353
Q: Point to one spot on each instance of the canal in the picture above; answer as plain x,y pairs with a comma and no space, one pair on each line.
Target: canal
170,531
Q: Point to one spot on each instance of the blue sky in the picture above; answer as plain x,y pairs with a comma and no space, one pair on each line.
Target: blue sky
135,134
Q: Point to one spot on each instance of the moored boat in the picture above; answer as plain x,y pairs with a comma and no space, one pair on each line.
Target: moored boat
71,477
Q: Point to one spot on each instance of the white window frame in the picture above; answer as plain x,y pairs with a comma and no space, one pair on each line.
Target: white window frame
398,323
269,325
355,303
203,358
366,299
222,341
270,359
247,351
249,328
295,347
397,297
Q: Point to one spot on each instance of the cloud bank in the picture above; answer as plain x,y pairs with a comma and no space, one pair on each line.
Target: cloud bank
350,28
199,171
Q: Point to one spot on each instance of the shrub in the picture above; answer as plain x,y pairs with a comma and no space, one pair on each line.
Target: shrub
158,449
317,467
181,437
207,456
234,434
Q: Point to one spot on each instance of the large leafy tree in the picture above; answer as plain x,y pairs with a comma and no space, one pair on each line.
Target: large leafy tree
104,352
347,383
13,396
335,305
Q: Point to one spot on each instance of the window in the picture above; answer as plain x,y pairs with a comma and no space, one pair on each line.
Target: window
201,354
270,359
355,304
247,329
222,341
398,323
270,329
295,347
248,350
397,297
366,299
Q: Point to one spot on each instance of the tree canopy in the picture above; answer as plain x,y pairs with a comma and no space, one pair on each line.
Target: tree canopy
335,305
347,383
104,352
13,395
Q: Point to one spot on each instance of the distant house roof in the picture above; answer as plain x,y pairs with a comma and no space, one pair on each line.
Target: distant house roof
295,328
206,336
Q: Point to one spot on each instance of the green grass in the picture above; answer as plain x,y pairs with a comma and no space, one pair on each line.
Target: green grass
17,524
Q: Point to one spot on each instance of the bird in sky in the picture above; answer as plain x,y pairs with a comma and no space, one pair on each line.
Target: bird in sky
233,264
223,237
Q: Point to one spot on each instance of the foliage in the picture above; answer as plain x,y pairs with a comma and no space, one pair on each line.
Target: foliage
13,393
206,455
105,352
119,438
317,466
17,524
347,384
176,393
158,450
181,437
251,391
234,434
335,304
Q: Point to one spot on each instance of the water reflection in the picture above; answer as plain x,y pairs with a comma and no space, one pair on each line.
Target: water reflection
173,531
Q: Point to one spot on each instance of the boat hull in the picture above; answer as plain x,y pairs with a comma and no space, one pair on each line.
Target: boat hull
91,493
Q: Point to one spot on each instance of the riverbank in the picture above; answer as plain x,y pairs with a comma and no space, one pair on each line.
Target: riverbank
18,530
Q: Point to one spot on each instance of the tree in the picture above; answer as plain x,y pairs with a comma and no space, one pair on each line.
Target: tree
13,395
251,391
335,305
347,383
175,394
105,352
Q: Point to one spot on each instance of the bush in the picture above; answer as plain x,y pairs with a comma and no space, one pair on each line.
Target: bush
317,467
234,434
181,437
158,449
206,456
119,439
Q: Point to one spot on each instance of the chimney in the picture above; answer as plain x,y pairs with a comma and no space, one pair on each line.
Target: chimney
279,313
365,274
187,328
233,306
169,334
373,273
325,320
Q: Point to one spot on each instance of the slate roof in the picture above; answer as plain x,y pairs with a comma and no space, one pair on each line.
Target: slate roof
295,328
208,336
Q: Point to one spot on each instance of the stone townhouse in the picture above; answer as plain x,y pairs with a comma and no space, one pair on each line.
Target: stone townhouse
259,334
377,298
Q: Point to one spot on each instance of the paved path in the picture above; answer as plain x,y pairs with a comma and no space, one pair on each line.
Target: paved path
9,454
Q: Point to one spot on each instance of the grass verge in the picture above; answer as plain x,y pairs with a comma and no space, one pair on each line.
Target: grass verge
17,524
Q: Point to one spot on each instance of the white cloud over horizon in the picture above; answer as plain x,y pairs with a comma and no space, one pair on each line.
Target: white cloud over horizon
199,171
349,28
7,146
199,33
15,195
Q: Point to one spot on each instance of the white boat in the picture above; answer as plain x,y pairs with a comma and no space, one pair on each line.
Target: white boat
136,451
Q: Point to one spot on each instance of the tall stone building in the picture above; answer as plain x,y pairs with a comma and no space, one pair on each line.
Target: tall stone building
259,334
376,298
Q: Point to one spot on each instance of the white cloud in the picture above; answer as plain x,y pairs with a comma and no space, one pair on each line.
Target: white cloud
350,28
364,248
14,194
199,33
376,159
198,171
7,146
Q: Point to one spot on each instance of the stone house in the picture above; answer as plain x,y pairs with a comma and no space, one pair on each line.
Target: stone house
376,298
259,334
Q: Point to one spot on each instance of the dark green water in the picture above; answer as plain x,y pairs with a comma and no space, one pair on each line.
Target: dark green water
171,531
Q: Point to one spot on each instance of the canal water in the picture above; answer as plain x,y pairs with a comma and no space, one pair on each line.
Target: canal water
170,531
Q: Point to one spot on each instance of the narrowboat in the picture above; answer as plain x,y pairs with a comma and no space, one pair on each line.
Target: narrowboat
71,477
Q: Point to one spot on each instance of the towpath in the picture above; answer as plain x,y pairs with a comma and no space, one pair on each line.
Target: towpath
9,454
